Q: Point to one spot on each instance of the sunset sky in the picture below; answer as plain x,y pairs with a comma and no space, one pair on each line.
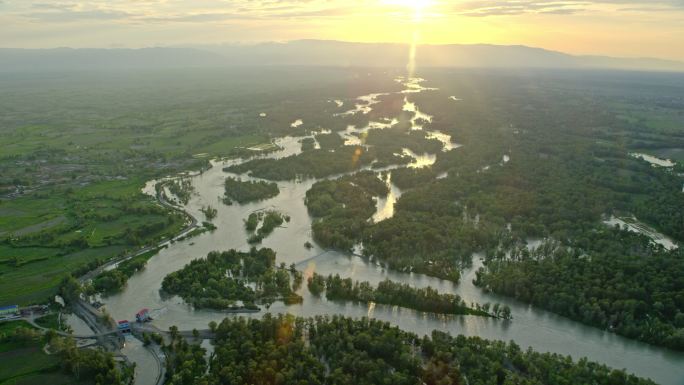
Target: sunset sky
653,28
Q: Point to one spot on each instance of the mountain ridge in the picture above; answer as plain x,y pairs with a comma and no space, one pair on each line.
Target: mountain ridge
318,53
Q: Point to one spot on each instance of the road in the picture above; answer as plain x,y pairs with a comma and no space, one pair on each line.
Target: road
162,200
107,334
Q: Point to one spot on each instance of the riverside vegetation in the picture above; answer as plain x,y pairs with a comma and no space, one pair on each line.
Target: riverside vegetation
393,293
339,350
233,280
70,183
269,219
530,167
71,199
248,191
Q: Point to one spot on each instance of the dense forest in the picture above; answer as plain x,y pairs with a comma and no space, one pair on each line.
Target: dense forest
233,280
531,168
248,191
329,141
406,177
338,350
342,208
393,293
611,279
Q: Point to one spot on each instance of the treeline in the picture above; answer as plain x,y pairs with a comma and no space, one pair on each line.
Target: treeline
393,293
612,279
248,191
224,278
112,281
317,163
337,350
342,208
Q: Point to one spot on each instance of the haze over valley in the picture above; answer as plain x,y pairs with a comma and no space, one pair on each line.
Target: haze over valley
304,205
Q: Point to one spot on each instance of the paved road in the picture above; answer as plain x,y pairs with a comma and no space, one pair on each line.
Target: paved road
203,334
32,320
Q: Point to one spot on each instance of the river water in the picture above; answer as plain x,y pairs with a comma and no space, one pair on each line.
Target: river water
533,327
146,365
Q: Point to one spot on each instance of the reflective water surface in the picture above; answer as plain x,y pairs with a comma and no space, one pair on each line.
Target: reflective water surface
542,330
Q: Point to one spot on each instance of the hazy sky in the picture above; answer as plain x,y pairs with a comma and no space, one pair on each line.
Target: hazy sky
609,27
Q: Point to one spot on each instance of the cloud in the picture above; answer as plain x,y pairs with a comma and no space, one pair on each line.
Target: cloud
558,7
173,11
73,15
217,11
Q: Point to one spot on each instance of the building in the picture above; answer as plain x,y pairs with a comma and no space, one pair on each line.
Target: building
143,315
9,310
124,326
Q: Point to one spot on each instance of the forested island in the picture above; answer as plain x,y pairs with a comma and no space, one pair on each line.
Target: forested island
209,212
234,280
269,220
393,293
627,286
248,191
339,350
316,163
342,208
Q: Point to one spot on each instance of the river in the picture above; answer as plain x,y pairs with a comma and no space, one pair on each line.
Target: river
530,327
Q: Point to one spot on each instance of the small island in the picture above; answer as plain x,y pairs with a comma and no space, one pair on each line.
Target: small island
248,191
400,294
209,212
235,281
269,220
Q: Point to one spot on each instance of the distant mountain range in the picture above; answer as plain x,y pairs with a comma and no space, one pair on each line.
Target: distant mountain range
317,53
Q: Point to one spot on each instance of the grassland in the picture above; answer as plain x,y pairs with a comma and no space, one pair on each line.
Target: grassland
98,222
76,150
25,363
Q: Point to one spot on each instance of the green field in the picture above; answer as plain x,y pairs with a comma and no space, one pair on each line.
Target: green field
78,148
21,359
25,363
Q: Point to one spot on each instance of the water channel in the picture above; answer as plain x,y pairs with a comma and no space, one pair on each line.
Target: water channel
533,327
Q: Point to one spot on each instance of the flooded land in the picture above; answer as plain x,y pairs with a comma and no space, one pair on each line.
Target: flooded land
538,209
530,327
